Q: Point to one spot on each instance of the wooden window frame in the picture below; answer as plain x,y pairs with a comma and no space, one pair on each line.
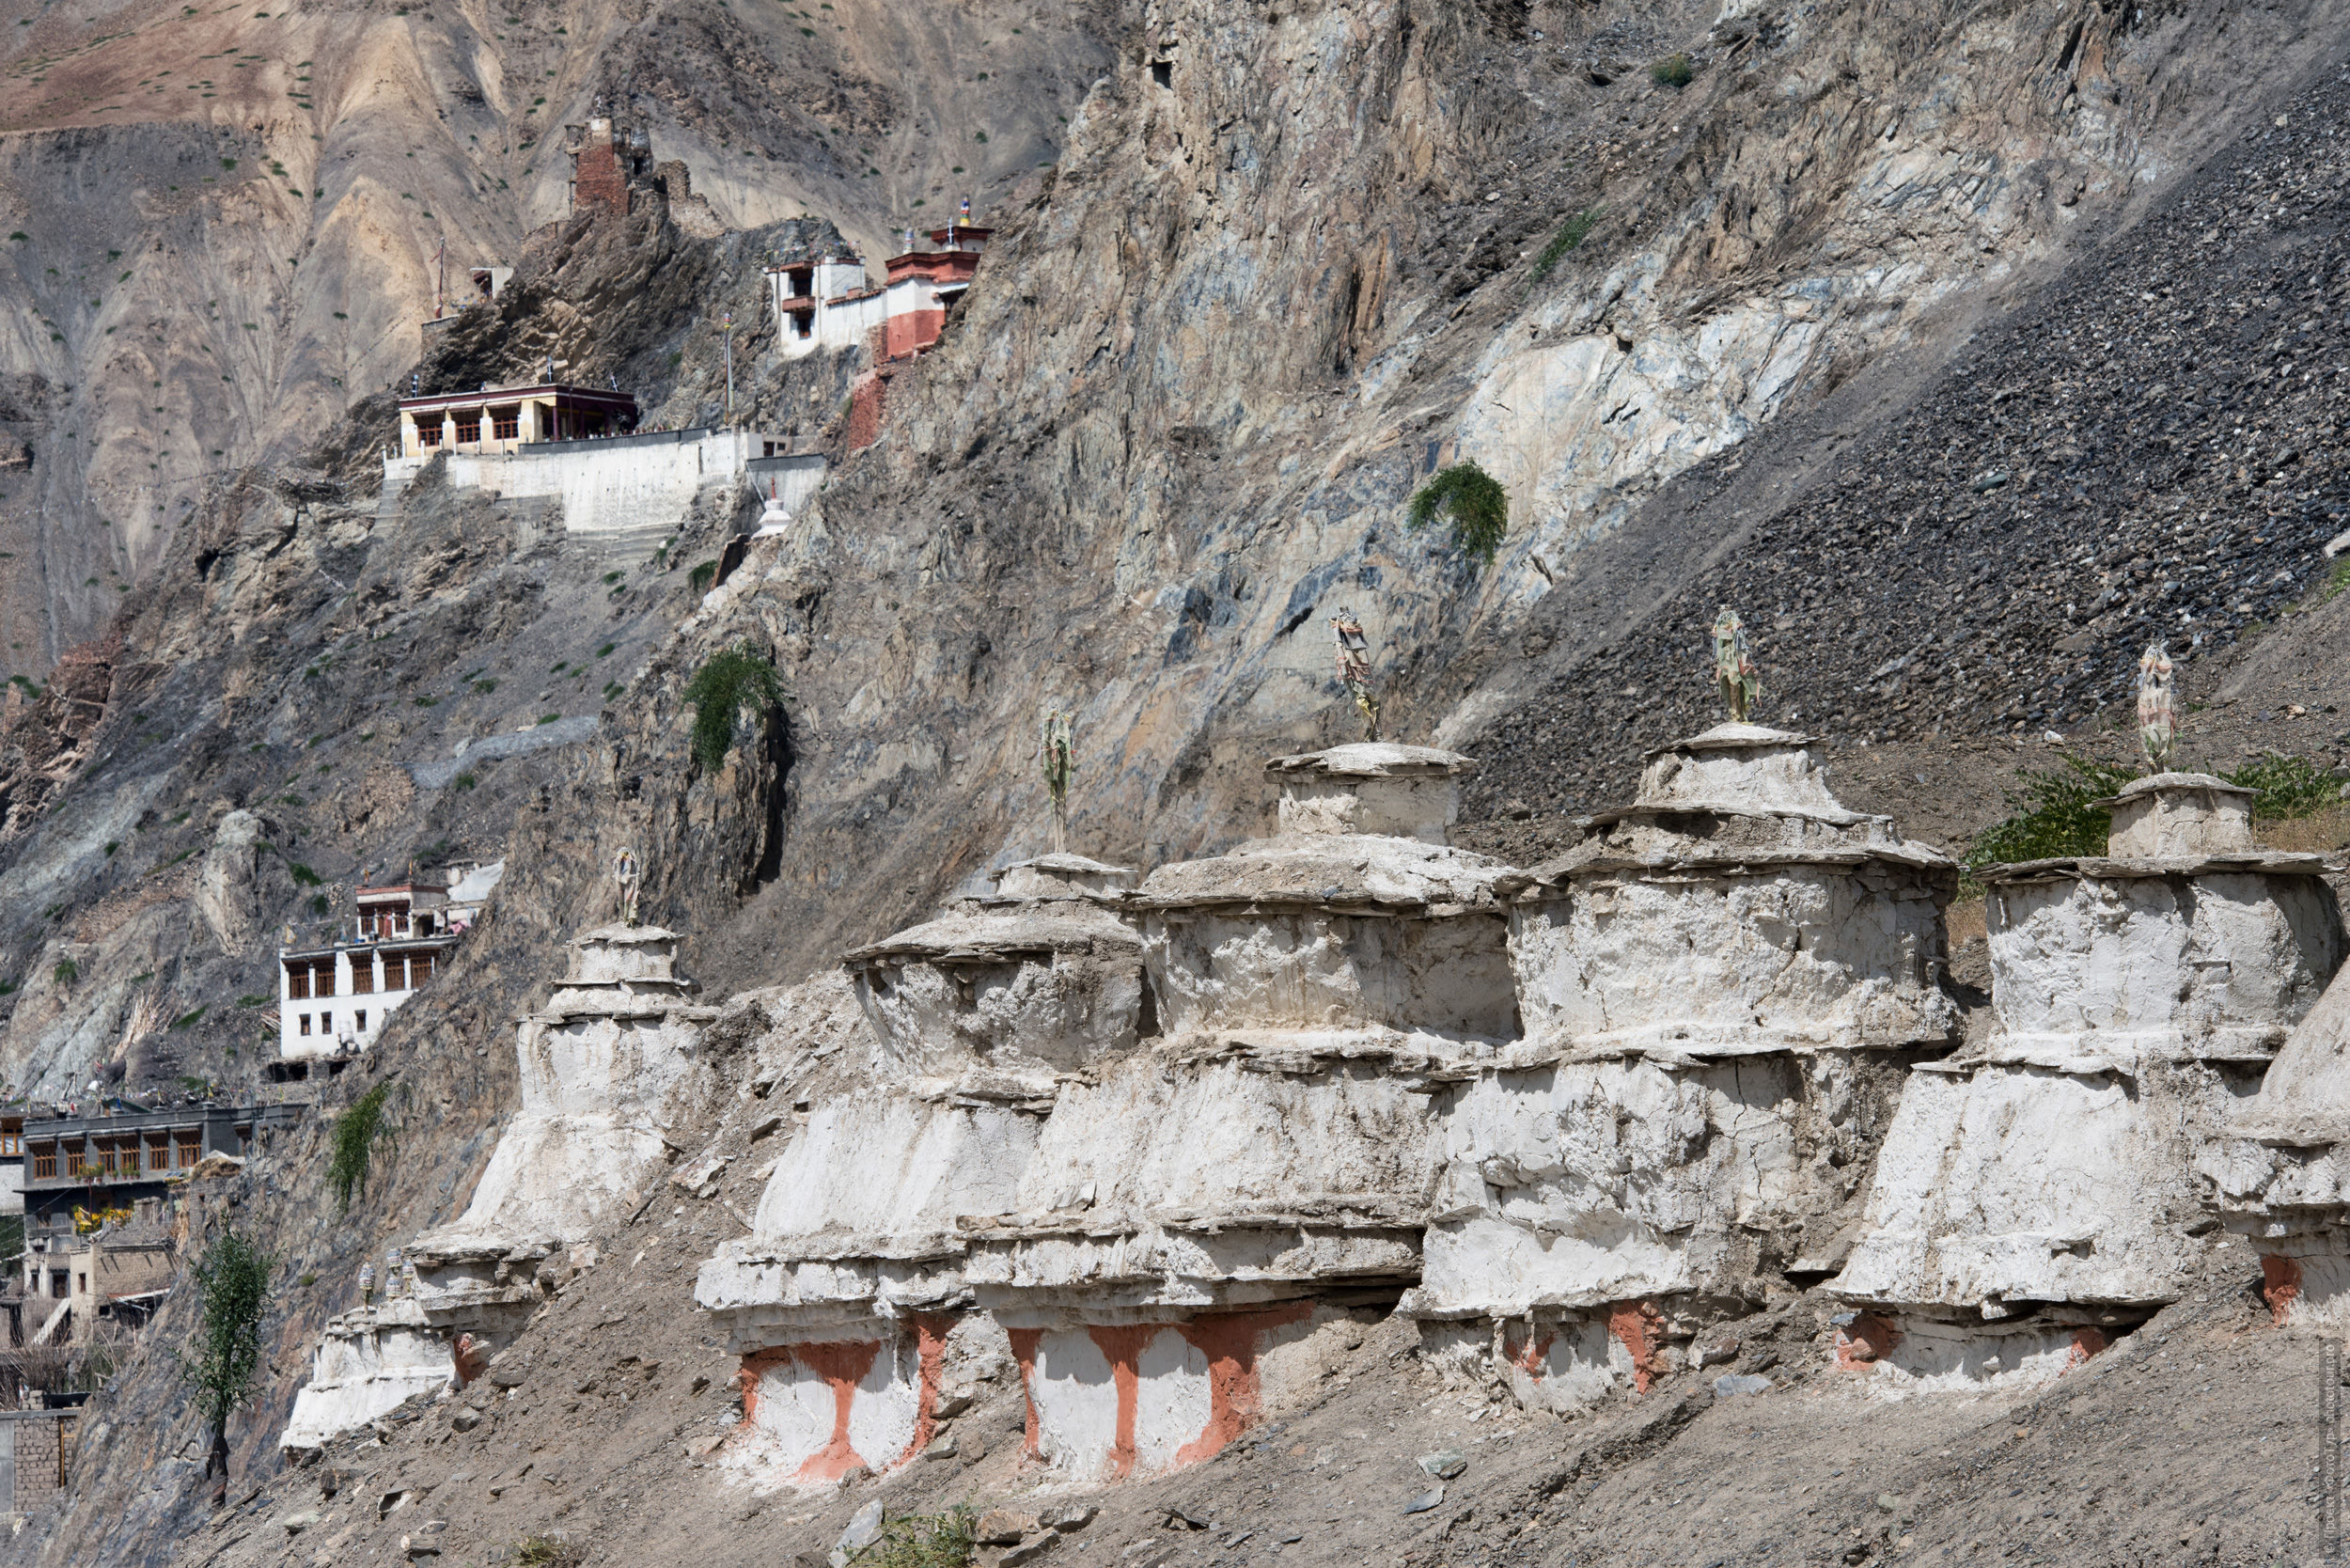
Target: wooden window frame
298,981
158,1151
363,974
428,435
77,1159
506,424
187,1148
44,1158
321,976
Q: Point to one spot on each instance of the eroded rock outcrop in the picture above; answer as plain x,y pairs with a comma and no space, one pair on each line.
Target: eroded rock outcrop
2036,1198
1722,986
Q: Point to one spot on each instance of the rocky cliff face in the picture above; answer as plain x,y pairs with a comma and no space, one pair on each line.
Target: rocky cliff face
1285,264
1255,306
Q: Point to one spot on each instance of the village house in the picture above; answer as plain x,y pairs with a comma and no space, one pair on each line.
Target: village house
12,1162
481,285
625,491
120,1273
77,1167
337,989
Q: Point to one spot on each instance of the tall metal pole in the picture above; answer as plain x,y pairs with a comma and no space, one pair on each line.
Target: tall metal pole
2329,1450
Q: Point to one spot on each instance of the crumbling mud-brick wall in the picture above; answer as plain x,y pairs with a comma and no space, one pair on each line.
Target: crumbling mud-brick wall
44,1444
599,183
868,405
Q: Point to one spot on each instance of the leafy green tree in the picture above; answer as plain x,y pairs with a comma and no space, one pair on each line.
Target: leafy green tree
1475,503
224,1361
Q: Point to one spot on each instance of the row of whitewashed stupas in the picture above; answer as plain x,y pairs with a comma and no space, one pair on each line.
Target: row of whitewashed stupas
1159,1147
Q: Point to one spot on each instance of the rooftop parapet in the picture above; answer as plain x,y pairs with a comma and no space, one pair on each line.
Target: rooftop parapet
2282,1174
1362,830
615,953
1739,769
1735,907
2185,941
1052,983
622,971
2304,1098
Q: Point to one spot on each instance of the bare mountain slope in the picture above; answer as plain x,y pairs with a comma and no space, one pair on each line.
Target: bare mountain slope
224,223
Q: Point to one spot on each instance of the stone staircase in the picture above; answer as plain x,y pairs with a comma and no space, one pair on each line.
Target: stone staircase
629,547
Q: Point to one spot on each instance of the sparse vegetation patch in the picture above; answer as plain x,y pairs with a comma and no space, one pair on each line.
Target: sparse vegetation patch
2289,787
1569,236
2050,816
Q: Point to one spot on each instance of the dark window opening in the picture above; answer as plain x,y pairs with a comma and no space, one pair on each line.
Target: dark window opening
1162,72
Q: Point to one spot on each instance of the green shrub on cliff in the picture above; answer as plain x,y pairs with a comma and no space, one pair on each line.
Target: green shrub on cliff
947,1540
731,685
1475,503
353,1138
